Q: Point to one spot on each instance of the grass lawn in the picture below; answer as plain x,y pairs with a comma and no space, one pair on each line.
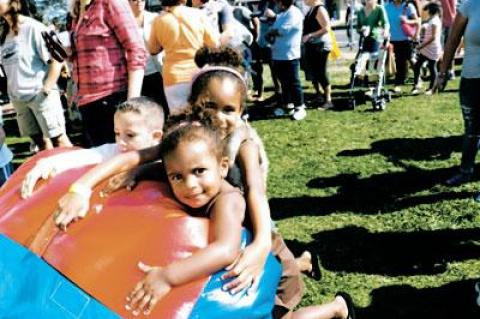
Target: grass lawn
363,190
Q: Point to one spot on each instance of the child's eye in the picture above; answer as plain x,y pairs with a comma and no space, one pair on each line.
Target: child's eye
199,171
175,177
228,109
131,135
117,134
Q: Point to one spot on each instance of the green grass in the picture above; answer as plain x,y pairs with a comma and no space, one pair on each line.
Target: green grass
363,190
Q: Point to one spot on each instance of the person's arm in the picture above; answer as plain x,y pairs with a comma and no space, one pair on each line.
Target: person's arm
411,16
122,22
226,226
153,44
55,164
75,203
2,135
384,22
288,25
54,70
453,40
249,266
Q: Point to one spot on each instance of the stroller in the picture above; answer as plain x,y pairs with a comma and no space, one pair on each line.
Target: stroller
379,95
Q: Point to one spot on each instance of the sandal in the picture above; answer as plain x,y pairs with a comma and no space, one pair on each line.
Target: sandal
349,302
316,272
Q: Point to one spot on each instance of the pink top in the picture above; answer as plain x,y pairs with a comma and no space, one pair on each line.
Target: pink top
449,9
433,50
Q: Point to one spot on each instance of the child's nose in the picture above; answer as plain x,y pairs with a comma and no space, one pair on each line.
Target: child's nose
191,182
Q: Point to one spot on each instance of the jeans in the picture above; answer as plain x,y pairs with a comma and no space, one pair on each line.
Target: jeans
470,103
289,75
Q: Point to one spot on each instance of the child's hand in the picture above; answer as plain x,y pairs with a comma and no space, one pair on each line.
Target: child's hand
148,291
126,180
248,267
71,207
43,169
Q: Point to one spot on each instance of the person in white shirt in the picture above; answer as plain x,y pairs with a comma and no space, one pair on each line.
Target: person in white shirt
138,124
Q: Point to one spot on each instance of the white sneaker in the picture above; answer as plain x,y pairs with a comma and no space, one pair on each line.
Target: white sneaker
299,114
416,91
397,89
290,108
428,92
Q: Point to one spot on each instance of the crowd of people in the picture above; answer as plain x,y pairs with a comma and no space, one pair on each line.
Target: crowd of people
132,71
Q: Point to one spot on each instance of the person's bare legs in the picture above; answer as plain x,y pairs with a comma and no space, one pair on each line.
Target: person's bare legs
334,309
43,143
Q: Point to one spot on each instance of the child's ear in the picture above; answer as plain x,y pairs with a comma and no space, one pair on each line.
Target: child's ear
157,136
224,166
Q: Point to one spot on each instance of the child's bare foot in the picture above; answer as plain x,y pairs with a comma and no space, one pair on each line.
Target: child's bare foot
345,303
309,265
304,262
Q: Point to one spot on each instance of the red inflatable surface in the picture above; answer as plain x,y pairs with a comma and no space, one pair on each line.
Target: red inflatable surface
100,253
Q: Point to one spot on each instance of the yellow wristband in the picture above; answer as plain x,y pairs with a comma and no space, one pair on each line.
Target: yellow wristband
81,190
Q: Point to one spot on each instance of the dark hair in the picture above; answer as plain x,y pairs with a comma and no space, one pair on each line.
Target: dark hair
433,8
286,3
171,3
151,110
202,113
222,56
17,7
190,132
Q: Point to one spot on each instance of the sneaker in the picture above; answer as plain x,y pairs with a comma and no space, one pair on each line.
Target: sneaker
459,179
451,75
397,89
290,108
429,92
299,114
326,106
34,147
416,91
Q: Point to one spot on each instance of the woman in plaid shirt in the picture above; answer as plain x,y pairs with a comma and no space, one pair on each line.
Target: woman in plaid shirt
109,58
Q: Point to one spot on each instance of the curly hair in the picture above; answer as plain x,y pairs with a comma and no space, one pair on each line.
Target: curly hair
222,56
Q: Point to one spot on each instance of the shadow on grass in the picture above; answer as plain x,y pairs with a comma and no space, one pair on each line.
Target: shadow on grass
355,249
455,300
381,193
420,149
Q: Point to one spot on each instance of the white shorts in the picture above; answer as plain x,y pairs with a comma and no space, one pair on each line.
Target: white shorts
43,115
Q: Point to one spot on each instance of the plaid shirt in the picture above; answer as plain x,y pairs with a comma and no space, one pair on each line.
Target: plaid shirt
106,45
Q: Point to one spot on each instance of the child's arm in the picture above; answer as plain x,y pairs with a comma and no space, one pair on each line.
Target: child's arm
55,164
429,40
226,224
249,266
75,203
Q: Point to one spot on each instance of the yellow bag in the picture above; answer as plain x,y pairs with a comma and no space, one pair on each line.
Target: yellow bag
335,53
